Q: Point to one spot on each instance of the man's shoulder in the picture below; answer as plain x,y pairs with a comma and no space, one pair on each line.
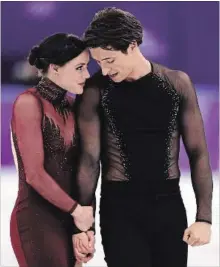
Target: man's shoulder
179,79
169,72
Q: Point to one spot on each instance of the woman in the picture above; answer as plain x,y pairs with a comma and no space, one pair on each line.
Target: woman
45,149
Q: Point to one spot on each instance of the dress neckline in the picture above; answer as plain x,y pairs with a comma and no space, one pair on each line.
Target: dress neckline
51,91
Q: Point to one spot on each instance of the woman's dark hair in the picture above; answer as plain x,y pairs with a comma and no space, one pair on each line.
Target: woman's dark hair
115,28
56,49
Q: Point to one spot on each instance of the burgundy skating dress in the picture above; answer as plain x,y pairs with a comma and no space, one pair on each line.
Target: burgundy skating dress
43,131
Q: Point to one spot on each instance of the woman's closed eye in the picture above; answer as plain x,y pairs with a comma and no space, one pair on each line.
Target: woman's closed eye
110,61
79,68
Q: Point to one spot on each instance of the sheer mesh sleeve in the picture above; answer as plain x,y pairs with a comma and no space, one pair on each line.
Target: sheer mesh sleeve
193,135
88,122
26,128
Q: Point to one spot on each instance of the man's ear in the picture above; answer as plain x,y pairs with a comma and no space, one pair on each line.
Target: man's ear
132,46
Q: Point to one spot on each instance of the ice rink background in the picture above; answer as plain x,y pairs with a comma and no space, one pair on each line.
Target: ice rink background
206,256
180,35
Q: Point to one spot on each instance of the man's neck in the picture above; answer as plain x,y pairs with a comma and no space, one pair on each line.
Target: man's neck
141,68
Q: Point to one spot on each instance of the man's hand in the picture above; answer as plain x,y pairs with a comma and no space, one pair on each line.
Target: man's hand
78,264
83,217
198,234
84,246
91,238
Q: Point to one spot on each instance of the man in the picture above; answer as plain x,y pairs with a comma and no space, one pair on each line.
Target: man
131,117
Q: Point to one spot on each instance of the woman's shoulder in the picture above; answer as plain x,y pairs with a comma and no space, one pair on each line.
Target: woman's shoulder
27,99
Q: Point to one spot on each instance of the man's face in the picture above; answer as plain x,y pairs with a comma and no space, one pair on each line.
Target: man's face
115,64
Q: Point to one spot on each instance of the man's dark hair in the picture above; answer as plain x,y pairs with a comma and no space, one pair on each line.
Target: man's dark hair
114,28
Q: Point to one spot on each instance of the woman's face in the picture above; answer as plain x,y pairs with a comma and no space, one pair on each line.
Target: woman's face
73,74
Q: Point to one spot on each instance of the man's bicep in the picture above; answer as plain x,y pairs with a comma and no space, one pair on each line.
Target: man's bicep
87,105
192,126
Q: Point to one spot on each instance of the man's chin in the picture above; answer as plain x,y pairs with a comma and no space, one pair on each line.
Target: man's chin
116,79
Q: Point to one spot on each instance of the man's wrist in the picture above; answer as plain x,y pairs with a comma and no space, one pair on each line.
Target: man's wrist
204,221
75,210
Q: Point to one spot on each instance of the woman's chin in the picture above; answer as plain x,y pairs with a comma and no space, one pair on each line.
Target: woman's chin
79,90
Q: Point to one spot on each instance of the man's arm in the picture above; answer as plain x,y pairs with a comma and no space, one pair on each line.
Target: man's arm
88,123
192,130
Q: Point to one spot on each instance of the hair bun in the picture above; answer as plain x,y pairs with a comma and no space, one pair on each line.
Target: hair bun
34,55
56,49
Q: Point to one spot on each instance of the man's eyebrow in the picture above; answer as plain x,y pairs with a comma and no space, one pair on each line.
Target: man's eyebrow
103,59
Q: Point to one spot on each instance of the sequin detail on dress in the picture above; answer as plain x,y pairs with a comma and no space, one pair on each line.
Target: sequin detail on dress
55,95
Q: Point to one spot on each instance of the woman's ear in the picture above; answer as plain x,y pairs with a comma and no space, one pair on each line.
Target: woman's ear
54,68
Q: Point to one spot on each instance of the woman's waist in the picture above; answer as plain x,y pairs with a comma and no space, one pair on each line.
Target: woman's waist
64,178
39,208
28,197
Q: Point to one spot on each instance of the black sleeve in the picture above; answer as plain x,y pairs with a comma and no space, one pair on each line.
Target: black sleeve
192,130
88,124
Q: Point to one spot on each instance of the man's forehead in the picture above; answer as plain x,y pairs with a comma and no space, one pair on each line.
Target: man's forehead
100,53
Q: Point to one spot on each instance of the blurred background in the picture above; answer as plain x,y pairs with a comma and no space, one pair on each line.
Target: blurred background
180,35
